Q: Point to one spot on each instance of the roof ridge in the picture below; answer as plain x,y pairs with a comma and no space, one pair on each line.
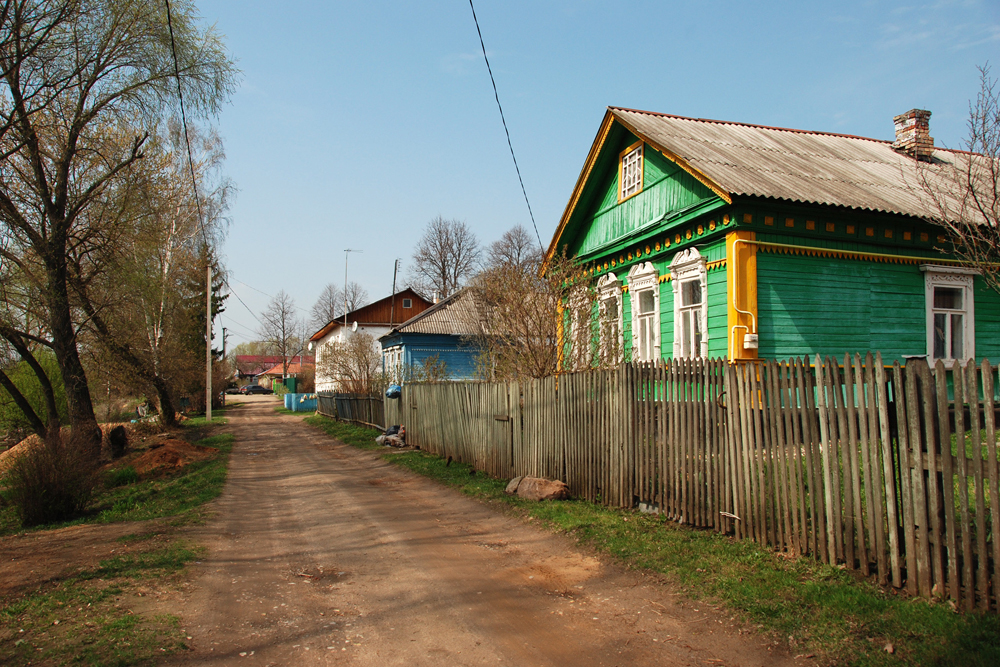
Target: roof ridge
754,125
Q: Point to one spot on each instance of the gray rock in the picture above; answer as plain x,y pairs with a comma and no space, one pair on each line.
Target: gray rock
512,486
536,488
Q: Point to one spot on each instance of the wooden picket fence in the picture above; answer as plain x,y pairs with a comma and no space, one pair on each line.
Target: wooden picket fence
357,408
889,470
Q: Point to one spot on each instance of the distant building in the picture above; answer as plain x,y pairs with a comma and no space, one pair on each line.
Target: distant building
374,319
443,332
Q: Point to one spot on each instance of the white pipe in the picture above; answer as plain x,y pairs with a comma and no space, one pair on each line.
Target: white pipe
736,282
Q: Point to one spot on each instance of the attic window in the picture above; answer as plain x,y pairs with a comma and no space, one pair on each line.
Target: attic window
407,303
630,171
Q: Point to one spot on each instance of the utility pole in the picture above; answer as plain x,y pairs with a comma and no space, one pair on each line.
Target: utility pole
392,311
208,337
227,365
346,254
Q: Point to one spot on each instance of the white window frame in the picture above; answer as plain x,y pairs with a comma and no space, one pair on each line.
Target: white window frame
407,303
630,169
687,266
641,278
578,320
609,288
955,277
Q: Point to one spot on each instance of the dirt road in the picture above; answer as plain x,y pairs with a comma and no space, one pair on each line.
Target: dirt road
319,553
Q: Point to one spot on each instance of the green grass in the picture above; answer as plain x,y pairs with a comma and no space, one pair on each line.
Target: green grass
123,496
358,436
179,495
83,619
811,607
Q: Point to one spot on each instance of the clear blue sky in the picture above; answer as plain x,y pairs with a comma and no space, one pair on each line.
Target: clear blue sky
358,122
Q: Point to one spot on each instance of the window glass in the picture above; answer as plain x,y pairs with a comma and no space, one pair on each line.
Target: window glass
631,172
948,297
691,293
646,304
957,334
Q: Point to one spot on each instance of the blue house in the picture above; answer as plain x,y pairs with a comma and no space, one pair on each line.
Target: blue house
439,337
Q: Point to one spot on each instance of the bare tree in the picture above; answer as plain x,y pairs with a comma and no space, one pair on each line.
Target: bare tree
532,325
354,364
327,305
964,189
281,328
81,82
515,248
446,258
357,296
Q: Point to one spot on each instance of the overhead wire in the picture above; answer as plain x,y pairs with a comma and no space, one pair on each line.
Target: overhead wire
506,131
187,139
233,292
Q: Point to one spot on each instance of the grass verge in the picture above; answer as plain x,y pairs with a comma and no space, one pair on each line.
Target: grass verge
84,620
815,609
123,496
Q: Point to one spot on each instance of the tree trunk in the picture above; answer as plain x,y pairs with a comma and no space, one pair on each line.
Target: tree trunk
86,432
168,414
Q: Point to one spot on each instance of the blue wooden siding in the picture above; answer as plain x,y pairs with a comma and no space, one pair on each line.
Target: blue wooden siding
458,355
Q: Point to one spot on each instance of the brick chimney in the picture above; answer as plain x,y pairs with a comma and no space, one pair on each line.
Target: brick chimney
913,134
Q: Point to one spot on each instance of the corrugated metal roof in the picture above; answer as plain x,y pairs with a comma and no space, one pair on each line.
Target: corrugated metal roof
456,316
797,165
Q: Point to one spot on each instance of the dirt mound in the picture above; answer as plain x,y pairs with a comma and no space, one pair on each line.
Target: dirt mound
7,457
171,453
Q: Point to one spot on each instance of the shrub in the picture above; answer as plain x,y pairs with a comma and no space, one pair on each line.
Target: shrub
48,483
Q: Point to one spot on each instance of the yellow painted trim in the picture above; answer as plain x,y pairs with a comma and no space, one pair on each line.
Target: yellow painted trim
642,169
559,337
741,271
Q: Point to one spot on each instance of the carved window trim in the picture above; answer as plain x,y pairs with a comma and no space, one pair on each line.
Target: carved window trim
609,289
643,277
952,277
630,169
689,266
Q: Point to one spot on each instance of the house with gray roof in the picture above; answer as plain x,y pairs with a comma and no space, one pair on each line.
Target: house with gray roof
441,337
709,238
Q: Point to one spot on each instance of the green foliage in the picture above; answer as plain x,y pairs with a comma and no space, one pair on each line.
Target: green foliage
12,420
79,620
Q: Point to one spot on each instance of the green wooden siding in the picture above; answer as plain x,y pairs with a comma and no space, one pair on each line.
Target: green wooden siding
987,322
666,189
810,305
666,319
718,313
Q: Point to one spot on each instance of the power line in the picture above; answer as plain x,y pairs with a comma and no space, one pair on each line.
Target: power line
187,140
233,292
504,120
270,296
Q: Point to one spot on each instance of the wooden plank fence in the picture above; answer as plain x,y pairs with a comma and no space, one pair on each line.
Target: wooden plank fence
357,408
891,470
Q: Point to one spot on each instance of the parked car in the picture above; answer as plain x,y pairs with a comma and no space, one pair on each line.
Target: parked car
234,390
257,389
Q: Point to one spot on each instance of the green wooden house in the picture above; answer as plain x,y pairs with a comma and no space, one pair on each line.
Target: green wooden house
708,238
